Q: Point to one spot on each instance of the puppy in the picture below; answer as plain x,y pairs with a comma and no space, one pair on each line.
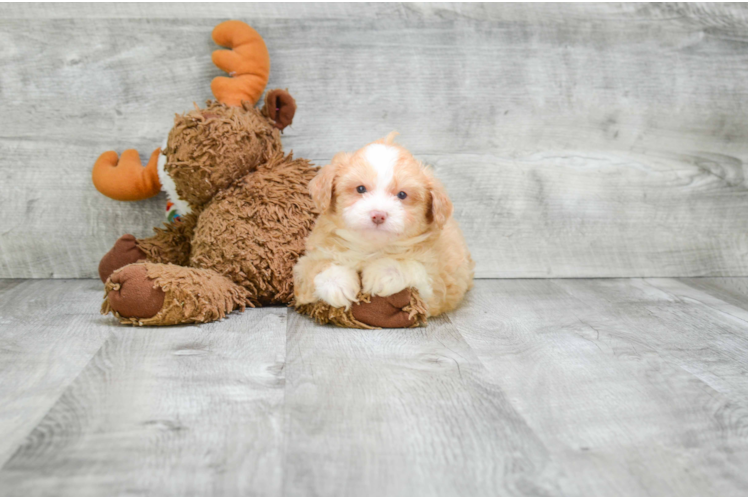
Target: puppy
385,224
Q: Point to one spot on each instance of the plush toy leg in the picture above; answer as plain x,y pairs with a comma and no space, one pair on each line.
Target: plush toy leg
149,294
170,245
125,251
404,309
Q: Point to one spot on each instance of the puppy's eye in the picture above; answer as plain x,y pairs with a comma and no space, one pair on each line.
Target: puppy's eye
402,195
361,189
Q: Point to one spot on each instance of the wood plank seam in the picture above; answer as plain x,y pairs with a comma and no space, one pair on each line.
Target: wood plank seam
21,443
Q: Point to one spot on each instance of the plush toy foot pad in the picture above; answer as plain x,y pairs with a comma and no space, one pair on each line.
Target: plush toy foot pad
384,312
153,294
404,309
132,294
124,252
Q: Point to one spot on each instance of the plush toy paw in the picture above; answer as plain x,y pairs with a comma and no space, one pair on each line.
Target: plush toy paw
385,312
153,294
130,293
124,252
404,309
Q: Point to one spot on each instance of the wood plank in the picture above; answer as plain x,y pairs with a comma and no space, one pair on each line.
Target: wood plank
49,331
182,411
721,14
621,415
730,290
220,11
7,284
707,340
401,412
583,214
573,387
69,226
568,146
707,296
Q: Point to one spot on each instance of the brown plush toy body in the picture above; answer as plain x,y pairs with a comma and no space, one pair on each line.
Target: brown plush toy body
245,205
250,213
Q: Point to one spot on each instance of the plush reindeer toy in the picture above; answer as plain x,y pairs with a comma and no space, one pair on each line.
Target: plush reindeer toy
244,206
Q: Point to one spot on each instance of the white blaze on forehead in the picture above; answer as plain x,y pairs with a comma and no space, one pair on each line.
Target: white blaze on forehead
382,158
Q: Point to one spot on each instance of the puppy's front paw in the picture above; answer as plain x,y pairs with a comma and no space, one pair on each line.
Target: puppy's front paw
337,285
384,278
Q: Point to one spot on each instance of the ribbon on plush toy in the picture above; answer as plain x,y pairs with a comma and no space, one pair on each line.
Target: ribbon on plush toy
171,213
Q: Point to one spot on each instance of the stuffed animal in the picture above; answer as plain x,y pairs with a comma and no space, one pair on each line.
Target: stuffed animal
243,205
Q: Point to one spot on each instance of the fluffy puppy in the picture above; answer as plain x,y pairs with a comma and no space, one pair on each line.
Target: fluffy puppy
386,224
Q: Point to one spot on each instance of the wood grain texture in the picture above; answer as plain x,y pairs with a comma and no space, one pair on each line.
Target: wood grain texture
605,373
401,412
733,291
697,333
563,387
720,15
49,331
166,412
712,295
587,140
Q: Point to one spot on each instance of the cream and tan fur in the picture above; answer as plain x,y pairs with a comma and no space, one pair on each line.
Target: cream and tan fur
386,224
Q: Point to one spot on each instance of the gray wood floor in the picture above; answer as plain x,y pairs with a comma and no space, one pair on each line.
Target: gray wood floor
533,387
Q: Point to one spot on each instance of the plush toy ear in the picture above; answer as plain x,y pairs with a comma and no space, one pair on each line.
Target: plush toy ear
280,107
322,187
441,206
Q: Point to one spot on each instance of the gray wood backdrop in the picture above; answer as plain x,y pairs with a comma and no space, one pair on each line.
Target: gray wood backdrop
576,140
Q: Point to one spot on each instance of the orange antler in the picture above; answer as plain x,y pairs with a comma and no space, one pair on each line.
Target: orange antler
125,179
247,63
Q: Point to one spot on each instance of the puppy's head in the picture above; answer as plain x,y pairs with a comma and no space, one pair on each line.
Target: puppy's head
381,191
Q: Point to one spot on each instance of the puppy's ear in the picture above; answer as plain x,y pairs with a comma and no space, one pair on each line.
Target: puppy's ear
322,187
441,206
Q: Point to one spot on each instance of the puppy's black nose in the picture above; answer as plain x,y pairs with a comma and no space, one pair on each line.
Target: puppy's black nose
378,217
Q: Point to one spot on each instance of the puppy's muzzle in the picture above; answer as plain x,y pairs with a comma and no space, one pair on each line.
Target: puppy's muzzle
378,217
